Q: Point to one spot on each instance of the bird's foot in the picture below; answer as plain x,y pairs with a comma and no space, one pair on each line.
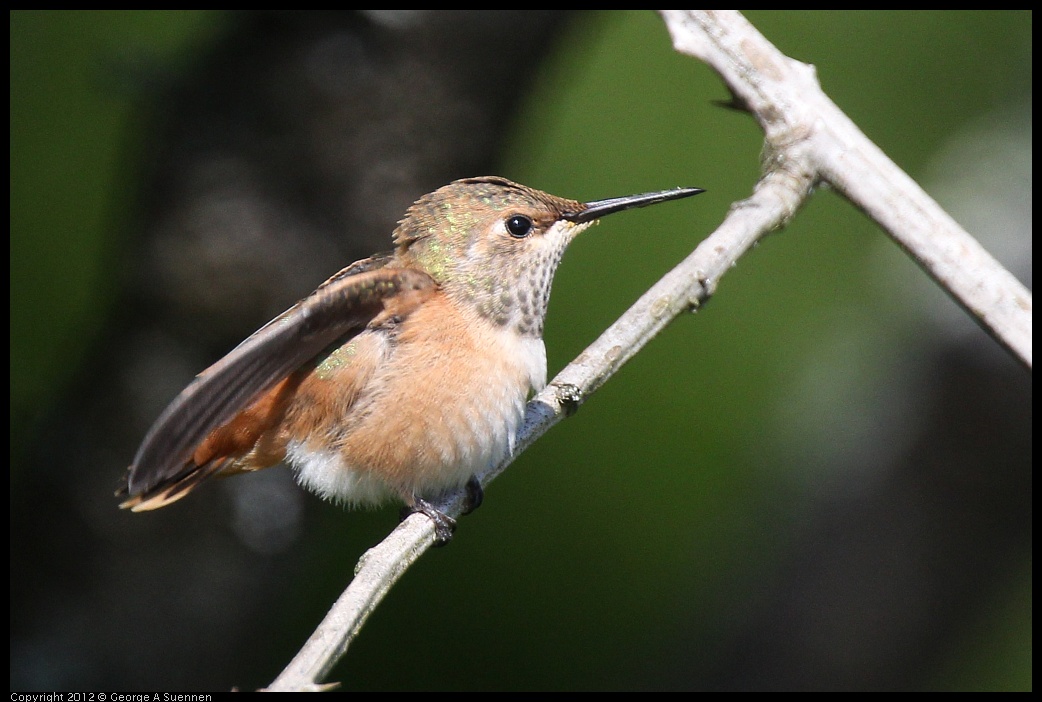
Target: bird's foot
475,495
444,525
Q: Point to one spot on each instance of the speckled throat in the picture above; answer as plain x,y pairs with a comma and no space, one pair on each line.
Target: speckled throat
504,275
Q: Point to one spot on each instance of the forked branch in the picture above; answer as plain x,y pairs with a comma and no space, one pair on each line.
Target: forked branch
808,141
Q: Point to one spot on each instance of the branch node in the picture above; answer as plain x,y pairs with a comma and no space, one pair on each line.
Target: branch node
569,396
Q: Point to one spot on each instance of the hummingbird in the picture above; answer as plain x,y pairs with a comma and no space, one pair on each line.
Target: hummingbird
400,377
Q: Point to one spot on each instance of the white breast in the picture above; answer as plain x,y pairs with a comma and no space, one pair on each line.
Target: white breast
427,421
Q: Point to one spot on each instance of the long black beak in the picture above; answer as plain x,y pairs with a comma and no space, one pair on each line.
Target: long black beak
600,208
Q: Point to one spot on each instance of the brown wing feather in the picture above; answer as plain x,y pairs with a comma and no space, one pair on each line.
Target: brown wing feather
164,468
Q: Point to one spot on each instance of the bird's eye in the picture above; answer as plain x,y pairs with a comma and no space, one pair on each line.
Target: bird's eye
519,226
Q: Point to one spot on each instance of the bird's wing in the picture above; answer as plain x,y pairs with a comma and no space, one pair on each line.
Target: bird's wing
341,307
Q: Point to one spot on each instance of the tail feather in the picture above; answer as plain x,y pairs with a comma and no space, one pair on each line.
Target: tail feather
170,490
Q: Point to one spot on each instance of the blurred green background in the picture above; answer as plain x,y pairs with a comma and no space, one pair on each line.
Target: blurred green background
735,508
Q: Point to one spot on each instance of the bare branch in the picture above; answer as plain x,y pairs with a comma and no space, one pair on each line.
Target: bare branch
809,140
801,123
684,288
378,569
